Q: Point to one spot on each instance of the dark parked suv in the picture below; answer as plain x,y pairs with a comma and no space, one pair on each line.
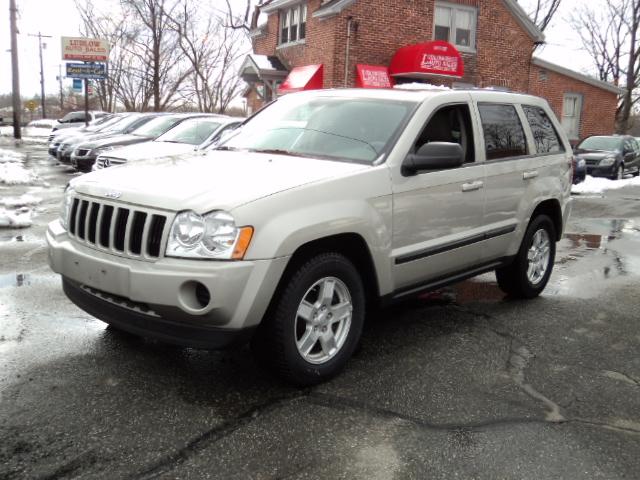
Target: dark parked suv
610,156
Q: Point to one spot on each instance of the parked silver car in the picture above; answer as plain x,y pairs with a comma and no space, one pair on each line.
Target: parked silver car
323,204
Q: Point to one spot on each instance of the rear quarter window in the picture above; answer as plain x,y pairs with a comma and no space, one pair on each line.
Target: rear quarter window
502,130
545,136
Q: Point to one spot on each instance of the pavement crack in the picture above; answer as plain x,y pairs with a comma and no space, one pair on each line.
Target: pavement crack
215,434
81,462
341,403
519,359
619,426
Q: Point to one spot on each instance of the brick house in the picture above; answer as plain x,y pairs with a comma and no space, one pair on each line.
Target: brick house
321,43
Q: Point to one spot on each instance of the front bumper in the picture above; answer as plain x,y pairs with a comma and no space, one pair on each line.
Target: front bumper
64,156
596,171
157,299
84,163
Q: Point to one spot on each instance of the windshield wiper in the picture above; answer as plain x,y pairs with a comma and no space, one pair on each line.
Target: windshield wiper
274,151
224,148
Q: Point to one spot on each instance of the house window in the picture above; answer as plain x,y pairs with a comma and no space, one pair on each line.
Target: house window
293,24
456,24
571,112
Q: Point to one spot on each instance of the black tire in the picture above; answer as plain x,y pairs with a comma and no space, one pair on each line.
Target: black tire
618,174
513,279
274,344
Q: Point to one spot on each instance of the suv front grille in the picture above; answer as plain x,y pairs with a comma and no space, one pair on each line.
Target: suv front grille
105,162
133,232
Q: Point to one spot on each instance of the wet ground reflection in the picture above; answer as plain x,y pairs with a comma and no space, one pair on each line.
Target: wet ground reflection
594,255
607,250
14,280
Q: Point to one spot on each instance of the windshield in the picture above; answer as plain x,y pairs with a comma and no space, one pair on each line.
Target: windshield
193,132
156,127
124,123
331,127
608,144
104,125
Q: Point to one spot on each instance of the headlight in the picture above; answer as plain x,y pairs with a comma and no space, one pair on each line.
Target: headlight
100,150
214,235
65,209
605,162
581,163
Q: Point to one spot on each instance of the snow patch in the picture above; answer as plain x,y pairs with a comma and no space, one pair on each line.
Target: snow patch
21,201
16,174
20,218
599,185
10,156
420,86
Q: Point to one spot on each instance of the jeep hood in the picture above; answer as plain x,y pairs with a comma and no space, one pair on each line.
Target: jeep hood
207,181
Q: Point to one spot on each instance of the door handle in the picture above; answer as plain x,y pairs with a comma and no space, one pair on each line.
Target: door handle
530,174
470,187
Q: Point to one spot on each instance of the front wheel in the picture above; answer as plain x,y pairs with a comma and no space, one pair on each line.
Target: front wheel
316,321
619,173
529,273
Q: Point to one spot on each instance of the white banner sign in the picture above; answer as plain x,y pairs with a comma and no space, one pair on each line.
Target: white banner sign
85,49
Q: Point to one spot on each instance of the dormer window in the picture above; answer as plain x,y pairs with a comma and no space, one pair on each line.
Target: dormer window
293,24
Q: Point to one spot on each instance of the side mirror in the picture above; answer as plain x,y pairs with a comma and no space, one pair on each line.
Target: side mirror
434,156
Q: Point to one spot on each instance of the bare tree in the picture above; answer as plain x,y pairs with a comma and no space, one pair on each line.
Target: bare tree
542,11
611,37
213,50
155,47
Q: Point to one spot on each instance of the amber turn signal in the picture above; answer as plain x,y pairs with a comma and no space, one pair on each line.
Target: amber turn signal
243,243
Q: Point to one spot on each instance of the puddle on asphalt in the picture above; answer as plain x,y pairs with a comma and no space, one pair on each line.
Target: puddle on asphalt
10,238
15,280
596,254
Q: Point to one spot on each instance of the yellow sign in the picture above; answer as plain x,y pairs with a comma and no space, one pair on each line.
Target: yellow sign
31,105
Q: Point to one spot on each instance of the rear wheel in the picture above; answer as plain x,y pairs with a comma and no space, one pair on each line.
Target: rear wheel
316,322
529,273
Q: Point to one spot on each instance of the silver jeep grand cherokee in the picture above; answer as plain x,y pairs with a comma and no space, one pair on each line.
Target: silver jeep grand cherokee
322,205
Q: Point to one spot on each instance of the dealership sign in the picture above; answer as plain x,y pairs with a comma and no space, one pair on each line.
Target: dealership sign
85,49
373,76
426,59
86,70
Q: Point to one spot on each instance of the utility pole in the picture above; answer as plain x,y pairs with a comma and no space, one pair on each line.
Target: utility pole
40,37
61,92
17,104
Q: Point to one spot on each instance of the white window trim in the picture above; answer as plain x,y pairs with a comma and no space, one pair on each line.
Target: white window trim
474,30
577,116
290,8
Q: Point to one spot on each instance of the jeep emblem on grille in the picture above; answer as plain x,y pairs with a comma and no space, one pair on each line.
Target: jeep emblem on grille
113,195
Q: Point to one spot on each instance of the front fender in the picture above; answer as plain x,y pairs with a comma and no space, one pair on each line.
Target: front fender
359,203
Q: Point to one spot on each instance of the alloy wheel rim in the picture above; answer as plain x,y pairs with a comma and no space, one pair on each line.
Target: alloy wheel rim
323,320
538,256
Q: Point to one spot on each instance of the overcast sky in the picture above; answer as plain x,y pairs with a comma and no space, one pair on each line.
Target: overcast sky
59,18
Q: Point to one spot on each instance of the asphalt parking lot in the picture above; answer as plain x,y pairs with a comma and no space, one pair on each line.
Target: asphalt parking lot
461,383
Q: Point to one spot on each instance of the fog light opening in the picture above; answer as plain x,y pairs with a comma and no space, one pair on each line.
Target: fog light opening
195,296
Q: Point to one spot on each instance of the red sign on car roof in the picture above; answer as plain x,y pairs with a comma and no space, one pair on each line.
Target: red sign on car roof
425,59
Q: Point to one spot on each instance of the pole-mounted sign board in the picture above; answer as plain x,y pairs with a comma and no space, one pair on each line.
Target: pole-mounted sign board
85,49
87,70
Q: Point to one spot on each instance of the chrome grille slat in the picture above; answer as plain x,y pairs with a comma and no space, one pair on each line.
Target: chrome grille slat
127,232
99,224
119,229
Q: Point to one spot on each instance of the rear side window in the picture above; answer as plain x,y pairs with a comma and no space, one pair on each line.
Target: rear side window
503,133
544,134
